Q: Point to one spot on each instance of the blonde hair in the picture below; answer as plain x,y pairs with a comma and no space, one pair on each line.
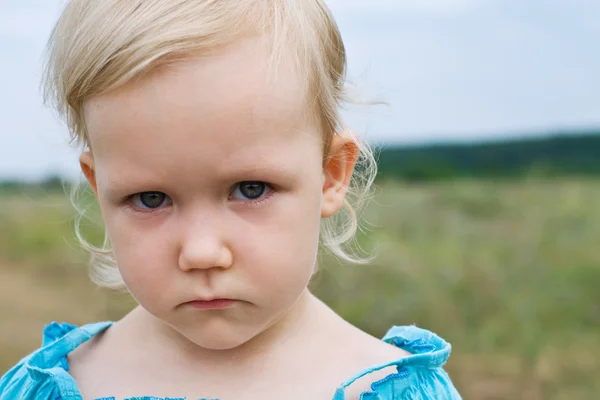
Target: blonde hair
99,45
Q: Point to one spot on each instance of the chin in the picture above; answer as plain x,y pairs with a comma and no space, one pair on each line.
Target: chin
220,337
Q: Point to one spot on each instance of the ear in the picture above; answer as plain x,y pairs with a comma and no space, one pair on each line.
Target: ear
86,162
337,171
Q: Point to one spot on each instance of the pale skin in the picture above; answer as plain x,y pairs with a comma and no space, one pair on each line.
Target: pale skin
192,134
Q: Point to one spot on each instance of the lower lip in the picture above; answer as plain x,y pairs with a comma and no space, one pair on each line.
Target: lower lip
216,304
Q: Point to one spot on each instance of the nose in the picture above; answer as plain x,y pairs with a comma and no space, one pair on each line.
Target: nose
203,247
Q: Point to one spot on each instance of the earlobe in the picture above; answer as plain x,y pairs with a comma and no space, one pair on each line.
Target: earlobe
342,158
86,162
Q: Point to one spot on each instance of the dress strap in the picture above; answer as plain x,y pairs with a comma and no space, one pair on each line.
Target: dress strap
427,350
59,341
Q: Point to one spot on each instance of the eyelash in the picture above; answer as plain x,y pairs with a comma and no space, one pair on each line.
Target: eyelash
248,203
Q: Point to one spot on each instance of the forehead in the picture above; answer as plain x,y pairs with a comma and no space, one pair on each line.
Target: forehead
232,101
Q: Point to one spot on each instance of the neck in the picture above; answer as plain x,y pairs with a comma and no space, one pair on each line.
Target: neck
305,321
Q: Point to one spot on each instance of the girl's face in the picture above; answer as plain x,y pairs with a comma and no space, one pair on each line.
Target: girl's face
211,185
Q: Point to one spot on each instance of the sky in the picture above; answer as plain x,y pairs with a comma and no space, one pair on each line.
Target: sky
451,70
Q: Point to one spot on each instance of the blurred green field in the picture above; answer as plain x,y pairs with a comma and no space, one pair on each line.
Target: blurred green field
508,272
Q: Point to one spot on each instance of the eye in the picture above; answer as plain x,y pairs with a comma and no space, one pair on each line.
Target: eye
250,190
149,200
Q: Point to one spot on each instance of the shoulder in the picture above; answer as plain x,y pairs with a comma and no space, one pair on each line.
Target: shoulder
416,374
43,374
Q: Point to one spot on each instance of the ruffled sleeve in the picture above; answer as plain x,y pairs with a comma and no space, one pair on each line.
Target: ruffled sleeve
43,374
419,376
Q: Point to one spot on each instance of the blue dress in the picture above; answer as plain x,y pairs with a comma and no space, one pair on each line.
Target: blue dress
43,374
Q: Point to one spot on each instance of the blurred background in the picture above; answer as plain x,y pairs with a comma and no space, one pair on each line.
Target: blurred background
486,220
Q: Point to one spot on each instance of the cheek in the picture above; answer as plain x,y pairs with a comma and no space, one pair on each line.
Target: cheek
140,252
280,252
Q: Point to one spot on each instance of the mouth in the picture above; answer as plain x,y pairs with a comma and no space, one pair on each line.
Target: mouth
214,304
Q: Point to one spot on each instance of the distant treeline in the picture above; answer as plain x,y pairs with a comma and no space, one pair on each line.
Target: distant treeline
50,184
572,154
550,156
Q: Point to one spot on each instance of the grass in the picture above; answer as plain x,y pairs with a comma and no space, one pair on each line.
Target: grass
505,271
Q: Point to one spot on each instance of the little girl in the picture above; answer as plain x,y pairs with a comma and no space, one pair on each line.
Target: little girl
211,138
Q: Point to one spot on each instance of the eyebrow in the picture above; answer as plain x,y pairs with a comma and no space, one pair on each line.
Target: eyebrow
120,182
278,171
